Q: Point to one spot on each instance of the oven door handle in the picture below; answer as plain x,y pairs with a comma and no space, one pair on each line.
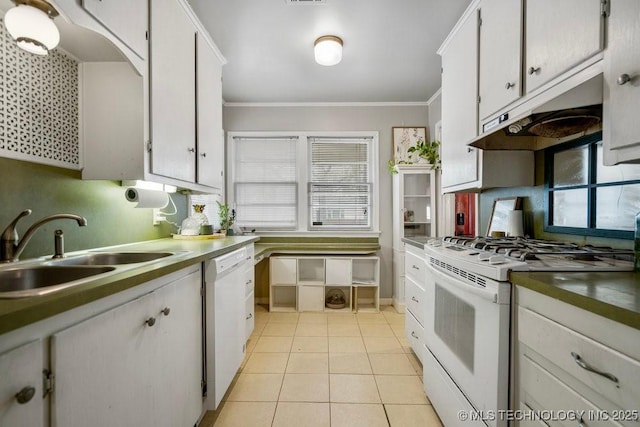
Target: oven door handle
475,290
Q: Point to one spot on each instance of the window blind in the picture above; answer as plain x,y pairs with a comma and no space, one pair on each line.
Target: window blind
265,186
340,183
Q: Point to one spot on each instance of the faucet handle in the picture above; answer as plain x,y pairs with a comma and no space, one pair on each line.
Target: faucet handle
10,232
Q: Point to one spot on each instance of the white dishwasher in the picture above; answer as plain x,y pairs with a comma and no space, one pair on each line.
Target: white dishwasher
224,322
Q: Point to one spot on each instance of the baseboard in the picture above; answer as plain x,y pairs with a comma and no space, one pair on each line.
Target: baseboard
400,307
386,301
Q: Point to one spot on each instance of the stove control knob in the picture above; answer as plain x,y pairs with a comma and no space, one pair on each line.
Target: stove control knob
484,256
497,259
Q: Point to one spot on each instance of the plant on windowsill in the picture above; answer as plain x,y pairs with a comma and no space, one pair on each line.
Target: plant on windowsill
227,217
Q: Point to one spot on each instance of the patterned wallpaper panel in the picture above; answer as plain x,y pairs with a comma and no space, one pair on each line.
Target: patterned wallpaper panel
38,105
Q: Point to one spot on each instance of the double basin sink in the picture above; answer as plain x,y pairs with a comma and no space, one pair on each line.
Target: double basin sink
19,281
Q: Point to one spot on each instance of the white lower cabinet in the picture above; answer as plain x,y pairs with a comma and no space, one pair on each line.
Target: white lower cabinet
415,278
136,364
568,359
21,388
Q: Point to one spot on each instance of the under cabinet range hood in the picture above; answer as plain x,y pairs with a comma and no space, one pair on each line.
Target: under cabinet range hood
568,110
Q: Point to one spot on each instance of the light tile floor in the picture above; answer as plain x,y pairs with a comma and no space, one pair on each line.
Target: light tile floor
327,369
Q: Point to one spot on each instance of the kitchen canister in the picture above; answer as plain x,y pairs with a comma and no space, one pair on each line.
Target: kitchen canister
514,224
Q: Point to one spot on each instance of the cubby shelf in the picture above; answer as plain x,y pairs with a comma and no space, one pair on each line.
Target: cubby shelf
302,283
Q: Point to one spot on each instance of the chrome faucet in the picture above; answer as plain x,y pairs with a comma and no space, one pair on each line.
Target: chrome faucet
10,249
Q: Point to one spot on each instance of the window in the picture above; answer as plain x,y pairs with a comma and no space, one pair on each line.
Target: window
265,185
340,183
304,181
584,197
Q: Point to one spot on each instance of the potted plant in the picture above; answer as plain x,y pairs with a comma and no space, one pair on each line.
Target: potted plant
428,150
227,217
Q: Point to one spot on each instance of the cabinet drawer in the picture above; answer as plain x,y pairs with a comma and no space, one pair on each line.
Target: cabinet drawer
415,266
415,296
247,279
250,315
578,355
415,335
540,390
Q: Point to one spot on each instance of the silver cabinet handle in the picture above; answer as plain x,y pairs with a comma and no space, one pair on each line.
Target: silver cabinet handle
509,85
25,395
584,365
414,299
414,266
623,79
150,321
249,282
191,150
203,154
413,334
165,311
249,316
533,70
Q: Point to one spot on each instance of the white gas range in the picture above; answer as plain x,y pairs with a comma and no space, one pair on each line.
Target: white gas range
466,363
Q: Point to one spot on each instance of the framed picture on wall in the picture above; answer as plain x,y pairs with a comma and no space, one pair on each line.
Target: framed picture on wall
403,139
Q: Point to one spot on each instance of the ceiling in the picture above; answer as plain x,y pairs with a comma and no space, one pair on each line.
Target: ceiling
389,48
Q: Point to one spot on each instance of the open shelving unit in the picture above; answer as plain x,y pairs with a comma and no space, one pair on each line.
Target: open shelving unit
302,283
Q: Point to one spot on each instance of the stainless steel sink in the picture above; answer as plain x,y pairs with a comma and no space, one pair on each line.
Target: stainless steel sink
19,282
113,258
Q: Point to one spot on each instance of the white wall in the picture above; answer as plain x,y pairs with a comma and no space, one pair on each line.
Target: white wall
344,118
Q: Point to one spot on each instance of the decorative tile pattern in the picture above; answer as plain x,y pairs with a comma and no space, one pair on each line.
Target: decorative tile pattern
38,105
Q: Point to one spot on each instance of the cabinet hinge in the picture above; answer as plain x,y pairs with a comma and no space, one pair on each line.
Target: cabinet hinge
48,382
146,35
604,8
479,99
149,146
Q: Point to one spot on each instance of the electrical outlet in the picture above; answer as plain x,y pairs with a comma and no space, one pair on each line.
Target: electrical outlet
158,217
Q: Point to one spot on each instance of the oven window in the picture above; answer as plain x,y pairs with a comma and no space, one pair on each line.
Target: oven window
585,197
455,325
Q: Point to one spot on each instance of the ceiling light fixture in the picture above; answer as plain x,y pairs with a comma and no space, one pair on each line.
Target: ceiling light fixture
31,25
328,50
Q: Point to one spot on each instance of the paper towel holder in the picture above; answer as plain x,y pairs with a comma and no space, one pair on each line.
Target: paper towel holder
499,219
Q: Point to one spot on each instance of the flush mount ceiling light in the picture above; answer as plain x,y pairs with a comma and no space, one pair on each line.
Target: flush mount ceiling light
31,25
328,50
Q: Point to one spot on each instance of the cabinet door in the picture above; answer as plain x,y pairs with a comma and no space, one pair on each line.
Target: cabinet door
21,371
338,271
417,191
173,97
178,310
310,298
621,129
560,34
210,133
283,271
459,105
500,54
127,20
104,369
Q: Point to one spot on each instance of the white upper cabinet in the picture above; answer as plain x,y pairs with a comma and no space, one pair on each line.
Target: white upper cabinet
466,168
459,102
210,165
621,129
173,97
163,124
500,54
127,20
559,34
